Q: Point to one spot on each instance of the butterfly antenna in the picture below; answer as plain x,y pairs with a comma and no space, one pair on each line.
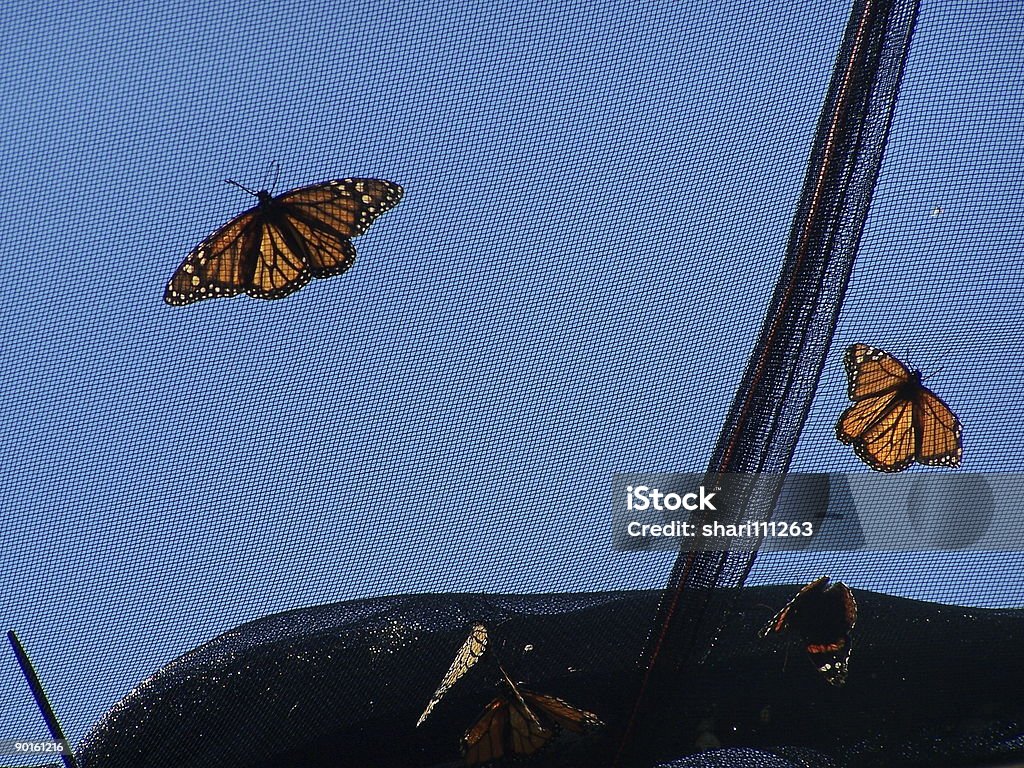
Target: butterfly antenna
508,680
242,187
943,356
277,175
504,674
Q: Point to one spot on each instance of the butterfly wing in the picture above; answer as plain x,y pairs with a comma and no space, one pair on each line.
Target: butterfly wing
862,415
872,372
824,616
484,742
214,267
256,253
887,443
560,712
526,733
828,638
280,266
937,430
879,424
781,619
507,727
345,206
468,655
832,659
326,215
849,605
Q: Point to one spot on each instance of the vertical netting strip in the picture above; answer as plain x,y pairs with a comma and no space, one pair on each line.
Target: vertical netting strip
774,395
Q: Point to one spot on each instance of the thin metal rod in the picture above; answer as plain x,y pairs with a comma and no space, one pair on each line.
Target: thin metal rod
41,701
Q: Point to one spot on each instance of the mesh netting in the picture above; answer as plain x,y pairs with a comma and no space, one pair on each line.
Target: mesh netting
338,685
635,237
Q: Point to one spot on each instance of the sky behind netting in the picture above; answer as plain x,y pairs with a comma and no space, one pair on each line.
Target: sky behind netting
597,199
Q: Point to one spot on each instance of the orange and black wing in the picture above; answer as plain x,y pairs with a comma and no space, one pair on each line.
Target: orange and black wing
884,427
823,615
326,215
507,727
214,268
467,656
484,742
560,712
872,372
938,431
894,419
526,733
879,424
274,249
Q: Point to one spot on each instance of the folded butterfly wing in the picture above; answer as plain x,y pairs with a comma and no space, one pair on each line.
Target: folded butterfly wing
468,654
485,740
506,728
823,616
561,712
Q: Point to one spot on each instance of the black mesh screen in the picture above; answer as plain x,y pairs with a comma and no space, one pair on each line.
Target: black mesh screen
635,237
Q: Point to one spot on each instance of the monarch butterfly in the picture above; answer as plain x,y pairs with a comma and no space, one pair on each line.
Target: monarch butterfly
894,419
507,727
520,722
824,616
468,655
275,248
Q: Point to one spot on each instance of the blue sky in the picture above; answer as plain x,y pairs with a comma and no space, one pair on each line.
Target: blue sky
597,197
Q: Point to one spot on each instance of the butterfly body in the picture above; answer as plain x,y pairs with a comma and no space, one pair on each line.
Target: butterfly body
273,216
895,420
823,615
279,245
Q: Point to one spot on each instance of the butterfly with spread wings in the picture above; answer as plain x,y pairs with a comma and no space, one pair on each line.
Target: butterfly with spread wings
519,722
468,655
277,247
823,615
895,420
